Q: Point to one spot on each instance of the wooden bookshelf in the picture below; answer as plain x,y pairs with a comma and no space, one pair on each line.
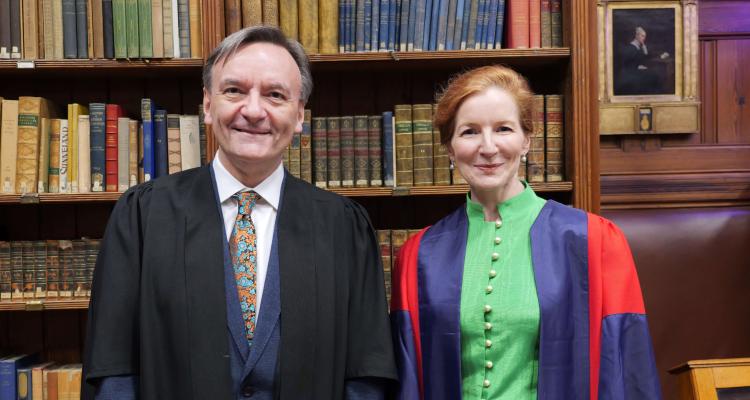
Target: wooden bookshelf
48,198
77,64
45,304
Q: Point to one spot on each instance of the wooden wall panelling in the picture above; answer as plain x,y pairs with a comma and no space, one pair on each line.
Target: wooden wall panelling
733,91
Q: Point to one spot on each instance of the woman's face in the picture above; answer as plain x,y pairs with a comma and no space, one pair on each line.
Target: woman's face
488,140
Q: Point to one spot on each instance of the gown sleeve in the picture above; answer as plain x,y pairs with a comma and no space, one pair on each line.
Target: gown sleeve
112,347
370,349
621,349
405,320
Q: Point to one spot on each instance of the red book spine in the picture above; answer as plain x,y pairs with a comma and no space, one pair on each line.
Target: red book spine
535,24
518,24
113,111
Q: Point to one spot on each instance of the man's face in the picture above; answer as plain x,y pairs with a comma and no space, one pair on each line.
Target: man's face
640,36
254,106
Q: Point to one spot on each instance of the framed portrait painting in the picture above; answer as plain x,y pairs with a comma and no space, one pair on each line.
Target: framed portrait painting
648,70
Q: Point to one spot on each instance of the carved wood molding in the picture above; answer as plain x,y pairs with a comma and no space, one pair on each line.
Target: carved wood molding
676,190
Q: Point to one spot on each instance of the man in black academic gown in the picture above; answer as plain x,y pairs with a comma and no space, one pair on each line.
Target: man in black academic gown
236,280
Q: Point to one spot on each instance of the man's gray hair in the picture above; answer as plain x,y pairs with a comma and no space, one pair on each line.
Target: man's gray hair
260,34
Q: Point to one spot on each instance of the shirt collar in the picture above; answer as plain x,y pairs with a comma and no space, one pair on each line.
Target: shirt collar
516,205
269,189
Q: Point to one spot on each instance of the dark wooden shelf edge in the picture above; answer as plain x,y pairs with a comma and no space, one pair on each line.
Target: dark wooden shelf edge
47,198
104,63
434,55
73,304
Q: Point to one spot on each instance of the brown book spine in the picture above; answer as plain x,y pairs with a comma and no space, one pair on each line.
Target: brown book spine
347,151
52,385
556,22
174,156
361,151
97,22
233,16
47,38
288,18
16,270
133,152
308,25
535,168
328,26
113,112
440,160
535,23
375,136
29,269
294,155
457,178
9,146
546,23
518,20
53,268
30,113
398,238
306,148
30,29
320,152
44,152
422,131
270,12
252,13
157,28
65,252
6,279
404,145
333,144
384,241
196,36
57,30
80,281
522,170
554,138
54,156
40,269
92,250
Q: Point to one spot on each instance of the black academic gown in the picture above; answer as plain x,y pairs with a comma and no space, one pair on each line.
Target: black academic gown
158,306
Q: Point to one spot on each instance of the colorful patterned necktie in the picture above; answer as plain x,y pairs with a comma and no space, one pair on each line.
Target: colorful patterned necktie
242,245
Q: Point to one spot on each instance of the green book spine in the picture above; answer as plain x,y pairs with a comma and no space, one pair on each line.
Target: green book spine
119,26
131,28
144,29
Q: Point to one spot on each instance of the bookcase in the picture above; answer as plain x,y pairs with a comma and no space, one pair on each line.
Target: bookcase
345,84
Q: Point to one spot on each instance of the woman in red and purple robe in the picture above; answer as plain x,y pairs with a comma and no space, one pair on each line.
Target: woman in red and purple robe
512,296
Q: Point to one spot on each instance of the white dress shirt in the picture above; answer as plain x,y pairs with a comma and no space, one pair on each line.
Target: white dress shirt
263,214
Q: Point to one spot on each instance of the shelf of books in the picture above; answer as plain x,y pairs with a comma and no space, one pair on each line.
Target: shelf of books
47,304
112,65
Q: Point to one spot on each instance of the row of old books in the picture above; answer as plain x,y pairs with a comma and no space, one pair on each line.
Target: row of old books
47,269
57,29
23,377
96,148
390,242
429,25
405,25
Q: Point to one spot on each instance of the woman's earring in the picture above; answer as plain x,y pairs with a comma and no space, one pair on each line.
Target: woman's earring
523,158
451,166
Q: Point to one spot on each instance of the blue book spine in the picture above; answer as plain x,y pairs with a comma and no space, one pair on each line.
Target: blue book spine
419,20
465,24
489,42
367,27
434,21
451,25
387,148
393,10
499,24
427,24
160,143
442,24
8,374
70,44
403,31
412,24
470,22
342,26
82,35
480,19
351,25
359,31
383,25
457,32
375,26
97,142
147,115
